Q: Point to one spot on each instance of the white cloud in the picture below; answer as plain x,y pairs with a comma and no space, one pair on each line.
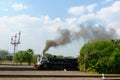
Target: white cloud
55,24
80,10
18,22
27,23
18,6
111,14
35,30
71,20
91,7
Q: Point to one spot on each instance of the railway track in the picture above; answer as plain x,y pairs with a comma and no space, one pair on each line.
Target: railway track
57,74
28,73
16,68
62,76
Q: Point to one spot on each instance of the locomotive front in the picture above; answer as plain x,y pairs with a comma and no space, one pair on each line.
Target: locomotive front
39,61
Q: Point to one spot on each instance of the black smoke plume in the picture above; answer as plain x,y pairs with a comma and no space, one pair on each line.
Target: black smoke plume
87,32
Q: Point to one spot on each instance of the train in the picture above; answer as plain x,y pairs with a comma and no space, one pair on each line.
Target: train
54,63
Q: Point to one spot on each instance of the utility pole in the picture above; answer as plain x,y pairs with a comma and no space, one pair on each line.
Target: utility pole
15,40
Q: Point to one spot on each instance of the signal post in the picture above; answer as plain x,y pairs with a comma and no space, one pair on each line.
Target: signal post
15,40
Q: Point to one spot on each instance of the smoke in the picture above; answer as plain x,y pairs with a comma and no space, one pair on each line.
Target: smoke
64,38
93,33
87,32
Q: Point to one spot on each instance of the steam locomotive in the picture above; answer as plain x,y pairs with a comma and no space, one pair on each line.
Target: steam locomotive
54,63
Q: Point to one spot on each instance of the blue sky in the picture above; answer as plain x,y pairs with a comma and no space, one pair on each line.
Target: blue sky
44,7
39,21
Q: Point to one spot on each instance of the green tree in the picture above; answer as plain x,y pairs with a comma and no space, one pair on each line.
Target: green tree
59,56
24,56
9,57
48,55
20,57
3,55
69,57
29,56
100,56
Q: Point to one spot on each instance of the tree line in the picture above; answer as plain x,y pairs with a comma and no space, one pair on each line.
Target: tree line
24,56
19,57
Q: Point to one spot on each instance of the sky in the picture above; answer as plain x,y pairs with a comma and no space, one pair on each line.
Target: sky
40,20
